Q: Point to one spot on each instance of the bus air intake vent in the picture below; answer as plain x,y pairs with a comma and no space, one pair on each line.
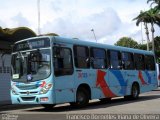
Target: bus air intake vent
28,98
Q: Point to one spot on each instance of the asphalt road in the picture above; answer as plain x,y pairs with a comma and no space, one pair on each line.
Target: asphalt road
147,106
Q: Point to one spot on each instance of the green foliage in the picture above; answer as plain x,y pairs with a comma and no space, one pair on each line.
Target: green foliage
157,48
127,42
154,2
142,46
156,13
150,16
157,42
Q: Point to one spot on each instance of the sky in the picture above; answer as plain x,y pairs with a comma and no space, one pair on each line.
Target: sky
110,19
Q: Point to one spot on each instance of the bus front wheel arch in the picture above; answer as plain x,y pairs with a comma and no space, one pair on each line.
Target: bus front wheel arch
82,97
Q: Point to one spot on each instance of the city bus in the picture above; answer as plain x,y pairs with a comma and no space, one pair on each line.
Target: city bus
51,70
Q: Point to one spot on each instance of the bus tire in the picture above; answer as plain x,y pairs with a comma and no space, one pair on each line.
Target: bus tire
48,106
135,91
82,98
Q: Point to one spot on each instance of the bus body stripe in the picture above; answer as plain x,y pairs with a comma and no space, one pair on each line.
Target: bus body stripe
121,80
103,85
141,78
148,76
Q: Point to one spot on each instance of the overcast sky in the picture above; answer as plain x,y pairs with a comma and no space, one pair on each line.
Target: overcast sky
110,19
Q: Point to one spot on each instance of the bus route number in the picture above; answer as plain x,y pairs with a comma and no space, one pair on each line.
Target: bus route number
82,75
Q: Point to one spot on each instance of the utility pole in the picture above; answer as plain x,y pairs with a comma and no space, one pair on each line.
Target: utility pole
39,17
94,34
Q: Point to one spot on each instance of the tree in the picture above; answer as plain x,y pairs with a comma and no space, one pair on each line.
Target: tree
155,15
154,18
157,48
143,18
142,46
157,2
127,42
157,42
151,16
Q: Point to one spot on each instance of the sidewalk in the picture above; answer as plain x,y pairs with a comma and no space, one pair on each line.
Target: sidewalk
5,107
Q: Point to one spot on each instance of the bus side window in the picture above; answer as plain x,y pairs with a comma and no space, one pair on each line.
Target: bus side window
127,61
150,62
62,61
98,58
139,61
81,56
114,59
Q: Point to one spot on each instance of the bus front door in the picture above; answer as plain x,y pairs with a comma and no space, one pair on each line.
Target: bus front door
63,74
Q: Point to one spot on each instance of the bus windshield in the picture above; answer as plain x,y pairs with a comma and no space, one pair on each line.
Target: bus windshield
31,65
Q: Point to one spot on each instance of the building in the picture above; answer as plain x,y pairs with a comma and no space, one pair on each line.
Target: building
7,38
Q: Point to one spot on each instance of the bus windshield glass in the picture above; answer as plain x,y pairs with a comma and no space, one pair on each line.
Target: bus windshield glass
32,64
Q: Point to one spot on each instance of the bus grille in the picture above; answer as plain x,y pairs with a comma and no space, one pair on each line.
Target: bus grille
27,87
35,92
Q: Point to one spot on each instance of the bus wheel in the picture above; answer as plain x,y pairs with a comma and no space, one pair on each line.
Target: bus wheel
48,106
82,97
135,91
104,100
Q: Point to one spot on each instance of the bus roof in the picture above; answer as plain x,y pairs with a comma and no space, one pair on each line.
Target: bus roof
99,45
91,44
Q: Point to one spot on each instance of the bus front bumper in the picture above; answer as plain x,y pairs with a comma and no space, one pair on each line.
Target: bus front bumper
47,98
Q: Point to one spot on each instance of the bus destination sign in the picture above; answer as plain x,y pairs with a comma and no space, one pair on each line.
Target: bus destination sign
32,44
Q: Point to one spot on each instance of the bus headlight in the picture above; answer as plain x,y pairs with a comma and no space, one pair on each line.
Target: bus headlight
46,88
13,91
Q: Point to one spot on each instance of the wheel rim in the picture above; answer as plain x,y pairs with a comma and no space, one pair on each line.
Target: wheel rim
135,91
80,97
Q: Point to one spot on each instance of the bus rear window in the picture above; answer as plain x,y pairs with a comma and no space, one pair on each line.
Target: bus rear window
139,61
150,62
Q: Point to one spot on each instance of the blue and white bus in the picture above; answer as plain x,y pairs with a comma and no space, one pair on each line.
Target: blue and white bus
51,70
